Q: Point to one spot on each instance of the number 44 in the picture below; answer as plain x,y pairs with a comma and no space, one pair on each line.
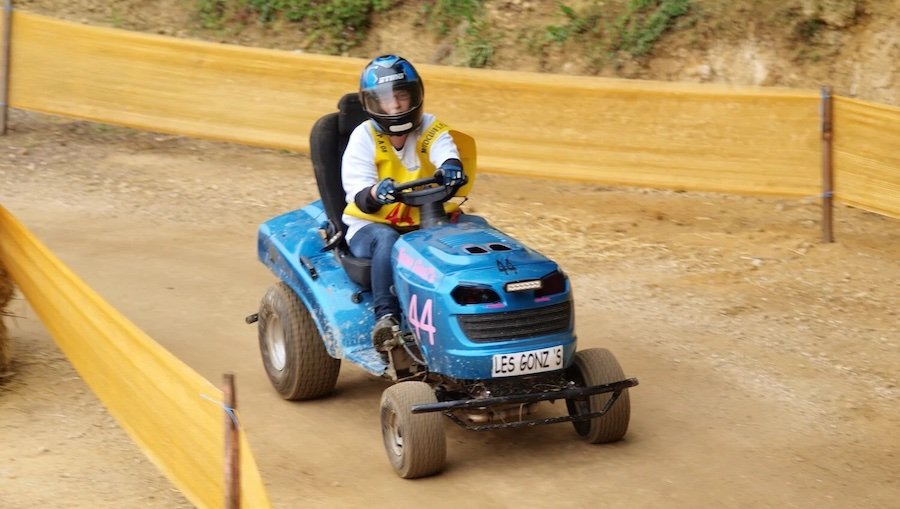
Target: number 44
423,322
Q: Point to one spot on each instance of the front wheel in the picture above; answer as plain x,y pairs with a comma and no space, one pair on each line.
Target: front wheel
596,366
293,353
415,443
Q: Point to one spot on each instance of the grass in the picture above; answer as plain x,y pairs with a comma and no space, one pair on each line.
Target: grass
477,44
606,30
329,26
442,16
606,34
336,26
475,37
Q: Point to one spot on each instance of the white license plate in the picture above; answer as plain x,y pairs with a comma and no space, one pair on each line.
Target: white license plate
521,363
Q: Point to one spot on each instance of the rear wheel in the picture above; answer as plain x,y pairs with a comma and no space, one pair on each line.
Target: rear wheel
597,366
292,351
415,443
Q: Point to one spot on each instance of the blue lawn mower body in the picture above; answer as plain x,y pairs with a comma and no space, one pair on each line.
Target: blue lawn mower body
486,334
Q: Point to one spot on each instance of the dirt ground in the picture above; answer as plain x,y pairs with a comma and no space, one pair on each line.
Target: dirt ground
767,360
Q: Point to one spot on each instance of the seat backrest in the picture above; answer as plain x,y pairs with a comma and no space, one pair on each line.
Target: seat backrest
327,142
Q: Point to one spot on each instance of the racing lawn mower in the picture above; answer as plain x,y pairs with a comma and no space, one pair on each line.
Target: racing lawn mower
487,331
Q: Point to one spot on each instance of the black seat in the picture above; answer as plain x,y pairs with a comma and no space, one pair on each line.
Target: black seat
327,142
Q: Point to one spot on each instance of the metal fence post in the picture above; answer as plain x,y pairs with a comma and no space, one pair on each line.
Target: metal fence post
4,65
827,167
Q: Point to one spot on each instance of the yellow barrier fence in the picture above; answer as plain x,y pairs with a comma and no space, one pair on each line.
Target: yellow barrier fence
706,137
867,155
173,414
711,137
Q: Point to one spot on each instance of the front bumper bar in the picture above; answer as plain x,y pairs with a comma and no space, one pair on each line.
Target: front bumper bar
447,407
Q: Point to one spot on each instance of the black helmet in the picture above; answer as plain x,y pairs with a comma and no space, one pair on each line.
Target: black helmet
392,93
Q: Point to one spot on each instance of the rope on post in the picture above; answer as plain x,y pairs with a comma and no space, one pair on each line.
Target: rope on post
827,127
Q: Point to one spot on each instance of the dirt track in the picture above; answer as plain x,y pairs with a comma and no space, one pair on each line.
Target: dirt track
767,361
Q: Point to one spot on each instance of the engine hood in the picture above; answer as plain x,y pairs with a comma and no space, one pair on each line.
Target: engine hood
470,246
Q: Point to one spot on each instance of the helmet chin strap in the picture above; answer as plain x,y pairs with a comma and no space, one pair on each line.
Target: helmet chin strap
403,127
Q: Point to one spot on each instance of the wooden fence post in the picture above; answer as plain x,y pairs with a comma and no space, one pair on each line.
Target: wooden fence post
232,447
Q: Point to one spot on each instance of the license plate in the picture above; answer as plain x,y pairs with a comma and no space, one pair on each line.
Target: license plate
533,361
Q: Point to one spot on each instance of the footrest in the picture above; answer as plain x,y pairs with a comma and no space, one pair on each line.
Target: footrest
368,358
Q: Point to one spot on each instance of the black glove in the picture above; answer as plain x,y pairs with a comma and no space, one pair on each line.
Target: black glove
385,191
452,173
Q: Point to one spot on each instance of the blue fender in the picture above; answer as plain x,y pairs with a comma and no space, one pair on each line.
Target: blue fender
291,247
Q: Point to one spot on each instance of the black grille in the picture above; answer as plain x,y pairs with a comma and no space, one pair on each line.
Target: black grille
517,324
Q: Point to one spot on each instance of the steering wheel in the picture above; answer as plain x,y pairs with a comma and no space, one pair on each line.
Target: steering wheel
434,191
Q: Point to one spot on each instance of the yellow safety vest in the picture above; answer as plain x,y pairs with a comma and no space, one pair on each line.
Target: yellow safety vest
389,165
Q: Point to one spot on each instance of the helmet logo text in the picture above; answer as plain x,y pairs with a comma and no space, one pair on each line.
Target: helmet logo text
391,77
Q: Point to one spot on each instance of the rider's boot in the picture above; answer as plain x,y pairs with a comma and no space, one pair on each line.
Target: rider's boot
383,332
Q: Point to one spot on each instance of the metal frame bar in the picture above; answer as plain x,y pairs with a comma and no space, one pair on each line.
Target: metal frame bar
447,407
536,422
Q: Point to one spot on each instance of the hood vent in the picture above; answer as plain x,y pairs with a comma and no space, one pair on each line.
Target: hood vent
478,242
473,249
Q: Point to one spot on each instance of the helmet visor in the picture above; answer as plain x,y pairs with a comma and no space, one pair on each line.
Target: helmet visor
392,99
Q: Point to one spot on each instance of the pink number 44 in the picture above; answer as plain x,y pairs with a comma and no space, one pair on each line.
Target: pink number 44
425,322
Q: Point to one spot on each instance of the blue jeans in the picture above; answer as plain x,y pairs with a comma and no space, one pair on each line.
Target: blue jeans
375,241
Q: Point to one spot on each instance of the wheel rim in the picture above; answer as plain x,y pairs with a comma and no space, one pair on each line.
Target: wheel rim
275,344
394,435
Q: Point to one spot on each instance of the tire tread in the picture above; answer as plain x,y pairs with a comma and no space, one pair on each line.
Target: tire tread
310,372
425,448
599,366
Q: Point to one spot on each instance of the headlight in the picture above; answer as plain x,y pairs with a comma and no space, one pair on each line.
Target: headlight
522,286
472,294
552,283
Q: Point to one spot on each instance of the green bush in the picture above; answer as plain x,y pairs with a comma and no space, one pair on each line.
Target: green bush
606,30
335,26
477,44
576,23
211,12
475,37
644,23
332,25
445,15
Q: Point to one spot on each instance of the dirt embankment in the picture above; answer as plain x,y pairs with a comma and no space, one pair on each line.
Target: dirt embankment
852,45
